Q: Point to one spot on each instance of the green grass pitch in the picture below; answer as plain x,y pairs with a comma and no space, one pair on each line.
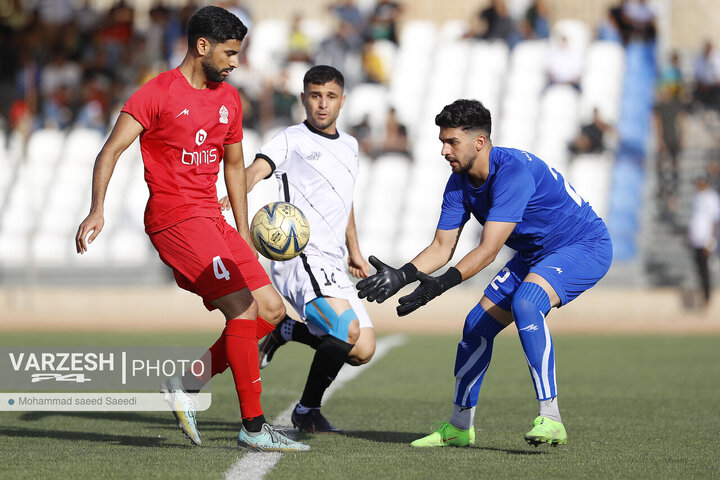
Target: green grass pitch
634,407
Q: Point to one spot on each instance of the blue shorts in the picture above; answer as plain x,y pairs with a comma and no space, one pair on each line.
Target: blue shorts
570,270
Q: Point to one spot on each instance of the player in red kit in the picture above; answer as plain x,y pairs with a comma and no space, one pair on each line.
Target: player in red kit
189,121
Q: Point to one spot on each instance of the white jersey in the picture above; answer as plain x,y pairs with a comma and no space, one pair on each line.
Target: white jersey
316,172
704,218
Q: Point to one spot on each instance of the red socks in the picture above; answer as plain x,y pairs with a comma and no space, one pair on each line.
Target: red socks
241,353
217,351
263,328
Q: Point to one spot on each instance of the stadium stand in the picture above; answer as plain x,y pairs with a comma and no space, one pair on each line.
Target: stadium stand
431,66
626,193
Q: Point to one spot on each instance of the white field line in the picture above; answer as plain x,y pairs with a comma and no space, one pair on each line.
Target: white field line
255,465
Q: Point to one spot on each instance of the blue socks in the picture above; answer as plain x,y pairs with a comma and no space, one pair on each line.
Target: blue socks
529,307
473,355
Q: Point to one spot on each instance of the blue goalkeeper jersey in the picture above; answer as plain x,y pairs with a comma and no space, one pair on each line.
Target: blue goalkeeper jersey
522,189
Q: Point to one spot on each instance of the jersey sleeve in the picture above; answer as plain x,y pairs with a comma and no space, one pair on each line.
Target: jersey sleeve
510,193
235,131
146,104
276,152
453,214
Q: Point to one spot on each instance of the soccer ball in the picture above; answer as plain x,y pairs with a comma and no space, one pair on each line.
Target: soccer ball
280,231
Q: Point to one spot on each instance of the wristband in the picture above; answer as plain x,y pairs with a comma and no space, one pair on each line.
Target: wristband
409,272
450,278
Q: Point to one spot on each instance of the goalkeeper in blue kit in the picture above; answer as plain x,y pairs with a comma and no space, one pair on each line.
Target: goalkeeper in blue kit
562,249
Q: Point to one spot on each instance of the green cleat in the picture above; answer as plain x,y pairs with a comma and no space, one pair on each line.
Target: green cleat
546,430
446,435
268,439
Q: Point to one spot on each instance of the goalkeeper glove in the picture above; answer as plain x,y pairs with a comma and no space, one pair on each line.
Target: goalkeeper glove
430,287
386,282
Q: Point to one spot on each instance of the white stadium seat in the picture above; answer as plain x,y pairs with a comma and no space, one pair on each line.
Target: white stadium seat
82,146
590,175
268,46
44,147
417,35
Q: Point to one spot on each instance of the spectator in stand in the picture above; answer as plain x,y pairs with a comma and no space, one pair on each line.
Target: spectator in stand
382,24
363,134
278,104
669,115
671,75
608,29
495,23
373,64
347,11
707,77
94,109
536,23
703,234
299,43
641,18
622,23
564,64
591,136
340,49
59,72
156,37
56,109
395,140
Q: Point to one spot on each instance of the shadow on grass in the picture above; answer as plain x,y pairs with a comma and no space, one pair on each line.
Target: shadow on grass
385,437
128,440
161,419
115,416
512,451
407,437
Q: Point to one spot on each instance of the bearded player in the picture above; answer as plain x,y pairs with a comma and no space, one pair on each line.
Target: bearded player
563,248
188,121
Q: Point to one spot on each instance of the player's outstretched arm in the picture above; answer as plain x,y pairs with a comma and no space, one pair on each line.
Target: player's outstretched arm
388,281
258,170
125,131
493,238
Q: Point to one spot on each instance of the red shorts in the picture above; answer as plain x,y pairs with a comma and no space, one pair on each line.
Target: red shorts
209,258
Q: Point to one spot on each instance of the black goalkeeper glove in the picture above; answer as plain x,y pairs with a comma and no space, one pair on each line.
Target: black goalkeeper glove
386,282
430,287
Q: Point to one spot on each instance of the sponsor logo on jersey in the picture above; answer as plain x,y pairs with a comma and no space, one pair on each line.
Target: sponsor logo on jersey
200,137
557,269
203,157
184,112
313,156
224,114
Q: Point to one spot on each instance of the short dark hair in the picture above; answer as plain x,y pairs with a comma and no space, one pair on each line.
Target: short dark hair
216,24
465,114
322,74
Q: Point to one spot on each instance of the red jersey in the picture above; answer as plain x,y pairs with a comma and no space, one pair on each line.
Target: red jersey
182,145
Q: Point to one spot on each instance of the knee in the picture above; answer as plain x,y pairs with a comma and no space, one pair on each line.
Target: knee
522,308
273,310
361,354
529,299
353,332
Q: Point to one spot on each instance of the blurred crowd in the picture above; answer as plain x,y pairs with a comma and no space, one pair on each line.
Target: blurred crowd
64,63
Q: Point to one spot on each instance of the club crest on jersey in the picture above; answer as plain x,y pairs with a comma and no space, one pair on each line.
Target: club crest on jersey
200,137
313,156
224,114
